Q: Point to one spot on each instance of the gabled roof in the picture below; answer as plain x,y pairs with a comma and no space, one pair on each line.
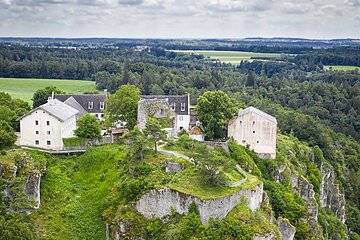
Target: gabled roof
173,99
84,99
258,112
55,108
74,104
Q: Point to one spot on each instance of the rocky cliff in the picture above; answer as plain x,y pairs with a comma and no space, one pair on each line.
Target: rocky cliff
159,203
330,196
23,177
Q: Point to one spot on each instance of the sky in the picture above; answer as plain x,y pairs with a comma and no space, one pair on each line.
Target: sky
321,19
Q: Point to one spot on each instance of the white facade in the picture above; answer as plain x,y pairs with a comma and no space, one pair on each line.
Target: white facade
46,126
182,122
257,129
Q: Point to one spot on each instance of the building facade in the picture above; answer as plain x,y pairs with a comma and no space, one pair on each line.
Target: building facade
46,125
172,106
257,129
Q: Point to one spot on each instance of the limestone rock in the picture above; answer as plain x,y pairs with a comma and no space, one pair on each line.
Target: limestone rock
173,167
269,236
330,196
286,229
159,203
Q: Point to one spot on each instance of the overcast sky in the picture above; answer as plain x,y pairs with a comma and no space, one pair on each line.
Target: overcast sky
180,18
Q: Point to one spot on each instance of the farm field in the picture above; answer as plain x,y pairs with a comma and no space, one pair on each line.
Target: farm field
340,68
233,57
24,88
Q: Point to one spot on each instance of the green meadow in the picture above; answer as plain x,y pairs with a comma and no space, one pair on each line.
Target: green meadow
233,57
340,68
24,88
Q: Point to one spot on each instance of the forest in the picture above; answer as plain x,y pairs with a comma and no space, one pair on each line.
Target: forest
317,106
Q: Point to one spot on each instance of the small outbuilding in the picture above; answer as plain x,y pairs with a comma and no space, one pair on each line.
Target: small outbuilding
197,132
257,129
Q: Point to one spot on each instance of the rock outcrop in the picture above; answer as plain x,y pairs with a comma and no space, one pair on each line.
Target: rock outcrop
286,229
159,203
269,236
330,196
173,166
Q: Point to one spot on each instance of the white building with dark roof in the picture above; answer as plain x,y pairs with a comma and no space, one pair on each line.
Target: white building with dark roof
257,129
46,125
85,103
178,105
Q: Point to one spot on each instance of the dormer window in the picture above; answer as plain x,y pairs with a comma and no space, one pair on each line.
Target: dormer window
183,107
102,105
173,106
90,105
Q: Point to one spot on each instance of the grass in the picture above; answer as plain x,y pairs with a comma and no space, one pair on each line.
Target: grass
233,57
24,88
74,192
341,68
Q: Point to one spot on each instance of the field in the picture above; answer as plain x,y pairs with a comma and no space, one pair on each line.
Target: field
233,57
341,68
25,88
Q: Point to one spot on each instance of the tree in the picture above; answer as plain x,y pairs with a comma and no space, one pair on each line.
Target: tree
215,109
153,129
137,143
88,127
122,106
41,95
7,135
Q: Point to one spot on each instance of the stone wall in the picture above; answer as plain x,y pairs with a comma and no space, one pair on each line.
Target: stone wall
159,203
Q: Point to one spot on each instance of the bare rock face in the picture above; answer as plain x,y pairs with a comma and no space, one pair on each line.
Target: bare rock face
173,167
286,229
159,203
32,188
269,236
330,196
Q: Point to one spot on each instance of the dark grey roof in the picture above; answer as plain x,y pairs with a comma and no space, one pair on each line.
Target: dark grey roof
84,99
74,104
258,112
173,99
56,109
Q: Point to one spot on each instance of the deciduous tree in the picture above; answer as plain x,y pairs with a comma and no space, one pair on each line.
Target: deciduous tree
88,127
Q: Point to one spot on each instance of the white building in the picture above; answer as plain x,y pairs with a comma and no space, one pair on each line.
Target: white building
46,125
179,105
257,129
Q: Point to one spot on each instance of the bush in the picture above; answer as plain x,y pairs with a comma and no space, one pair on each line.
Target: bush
74,142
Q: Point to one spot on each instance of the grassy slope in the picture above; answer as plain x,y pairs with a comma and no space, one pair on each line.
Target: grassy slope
25,88
74,190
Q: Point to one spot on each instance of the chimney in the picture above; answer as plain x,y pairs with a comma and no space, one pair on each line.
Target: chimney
106,93
52,95
51,99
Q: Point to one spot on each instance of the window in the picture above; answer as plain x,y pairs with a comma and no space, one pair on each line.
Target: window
254,131
243,141
161,111
173,106
48,132
97,115
253,122
37,142
36,122
181,118
36,132
102,105
240,122
257,141
183,106
48,123
90,105
102,115
48,142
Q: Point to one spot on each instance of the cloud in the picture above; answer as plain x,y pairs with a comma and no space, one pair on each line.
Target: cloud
131,2
355,3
